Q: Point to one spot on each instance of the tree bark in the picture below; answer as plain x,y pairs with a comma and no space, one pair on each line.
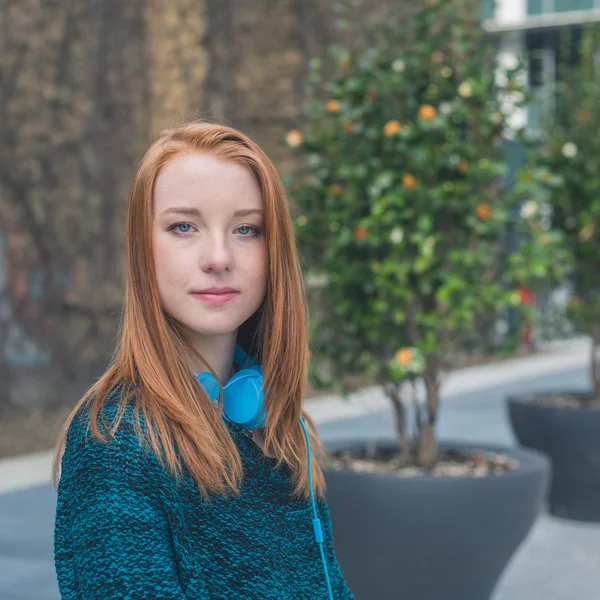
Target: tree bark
427,453
400,420
428,447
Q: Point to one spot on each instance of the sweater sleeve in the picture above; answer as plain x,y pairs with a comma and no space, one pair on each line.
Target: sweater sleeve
340,588
110,509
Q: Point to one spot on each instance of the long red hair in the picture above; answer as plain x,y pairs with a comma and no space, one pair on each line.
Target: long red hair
151,361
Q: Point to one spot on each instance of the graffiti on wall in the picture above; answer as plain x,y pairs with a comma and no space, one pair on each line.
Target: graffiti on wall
24,325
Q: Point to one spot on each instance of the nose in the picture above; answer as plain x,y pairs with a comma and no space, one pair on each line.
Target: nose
216,254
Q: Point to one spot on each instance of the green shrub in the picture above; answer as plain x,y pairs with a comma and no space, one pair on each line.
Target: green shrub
403,211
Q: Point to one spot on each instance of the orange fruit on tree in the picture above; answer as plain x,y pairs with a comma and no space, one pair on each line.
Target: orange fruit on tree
484,212
294,138
409,181
333,106
427,112
404,356
392,127
360,233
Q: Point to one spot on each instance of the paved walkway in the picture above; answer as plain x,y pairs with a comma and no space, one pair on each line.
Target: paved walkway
560,560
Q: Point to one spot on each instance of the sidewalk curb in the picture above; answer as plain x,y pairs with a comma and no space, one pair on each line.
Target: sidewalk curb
554,358
27,471
31,470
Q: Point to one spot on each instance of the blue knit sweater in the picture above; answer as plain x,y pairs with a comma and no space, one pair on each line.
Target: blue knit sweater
125,530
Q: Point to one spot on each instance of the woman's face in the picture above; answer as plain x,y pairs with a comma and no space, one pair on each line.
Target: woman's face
208,232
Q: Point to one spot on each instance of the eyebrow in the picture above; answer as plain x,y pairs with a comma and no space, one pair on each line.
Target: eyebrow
188,210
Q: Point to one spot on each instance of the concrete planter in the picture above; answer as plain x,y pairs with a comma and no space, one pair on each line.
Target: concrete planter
570,436
431,538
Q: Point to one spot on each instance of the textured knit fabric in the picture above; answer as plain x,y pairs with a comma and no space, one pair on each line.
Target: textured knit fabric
125,529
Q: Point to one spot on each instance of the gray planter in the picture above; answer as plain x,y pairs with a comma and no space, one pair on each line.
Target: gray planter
570,436
431,538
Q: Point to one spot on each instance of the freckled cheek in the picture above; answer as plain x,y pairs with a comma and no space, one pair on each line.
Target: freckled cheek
171,265
259,268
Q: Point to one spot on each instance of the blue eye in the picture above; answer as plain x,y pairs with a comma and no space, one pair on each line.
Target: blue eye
187,227
184,228
249,228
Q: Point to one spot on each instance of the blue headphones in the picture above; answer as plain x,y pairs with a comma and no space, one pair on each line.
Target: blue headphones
243,404
243,396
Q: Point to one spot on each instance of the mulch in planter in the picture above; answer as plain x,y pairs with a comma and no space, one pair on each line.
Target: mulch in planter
450,463
564,399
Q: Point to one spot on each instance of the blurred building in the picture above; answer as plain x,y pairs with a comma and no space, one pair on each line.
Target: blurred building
532,28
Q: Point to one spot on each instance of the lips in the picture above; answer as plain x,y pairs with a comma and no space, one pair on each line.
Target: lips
216,295
216,290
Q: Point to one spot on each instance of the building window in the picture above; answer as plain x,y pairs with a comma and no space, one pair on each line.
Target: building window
489,9
537,63
534,7
541,78
566,5
542,7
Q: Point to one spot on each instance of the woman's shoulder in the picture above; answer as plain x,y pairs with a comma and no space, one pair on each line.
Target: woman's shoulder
121,441
114,416
115,474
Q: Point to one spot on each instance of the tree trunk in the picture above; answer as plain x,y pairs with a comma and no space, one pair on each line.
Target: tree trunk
427,453
400,419
428,447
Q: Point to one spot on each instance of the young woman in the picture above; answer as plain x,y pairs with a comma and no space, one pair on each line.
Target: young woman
189,469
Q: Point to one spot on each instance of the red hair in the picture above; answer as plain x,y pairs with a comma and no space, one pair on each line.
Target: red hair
150,360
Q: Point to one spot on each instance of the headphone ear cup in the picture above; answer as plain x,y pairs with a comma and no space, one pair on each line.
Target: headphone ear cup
244,399
210,384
